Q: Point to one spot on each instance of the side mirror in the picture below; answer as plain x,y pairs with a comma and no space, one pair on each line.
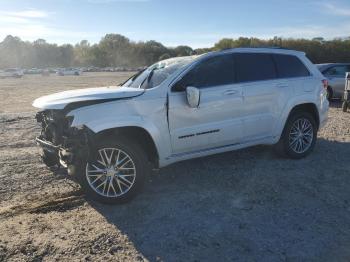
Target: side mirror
193,96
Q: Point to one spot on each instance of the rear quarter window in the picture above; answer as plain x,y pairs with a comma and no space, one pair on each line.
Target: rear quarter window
290,66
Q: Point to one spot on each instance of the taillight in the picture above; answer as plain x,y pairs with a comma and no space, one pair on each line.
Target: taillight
325,83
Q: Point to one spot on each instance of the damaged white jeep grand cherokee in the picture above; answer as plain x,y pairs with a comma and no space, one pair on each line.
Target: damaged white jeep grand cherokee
181,108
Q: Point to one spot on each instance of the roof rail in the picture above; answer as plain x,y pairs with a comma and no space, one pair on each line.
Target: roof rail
252,47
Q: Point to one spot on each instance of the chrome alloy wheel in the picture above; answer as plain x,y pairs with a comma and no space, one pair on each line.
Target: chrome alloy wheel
112,173
301,135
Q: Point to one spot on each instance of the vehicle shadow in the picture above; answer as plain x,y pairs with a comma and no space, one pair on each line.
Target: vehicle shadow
243,205
336,103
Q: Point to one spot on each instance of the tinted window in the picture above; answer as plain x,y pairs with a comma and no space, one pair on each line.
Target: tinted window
254,67
337,71
214,71
290,66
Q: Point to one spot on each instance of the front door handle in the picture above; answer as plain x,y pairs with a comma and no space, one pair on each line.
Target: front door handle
230,92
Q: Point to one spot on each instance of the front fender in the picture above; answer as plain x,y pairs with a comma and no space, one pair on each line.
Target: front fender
109,116
98,125
135,121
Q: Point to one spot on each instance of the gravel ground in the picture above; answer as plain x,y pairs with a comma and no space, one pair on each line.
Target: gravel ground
247,205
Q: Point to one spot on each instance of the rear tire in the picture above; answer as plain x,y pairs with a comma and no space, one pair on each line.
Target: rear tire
345,106
299,136
105,180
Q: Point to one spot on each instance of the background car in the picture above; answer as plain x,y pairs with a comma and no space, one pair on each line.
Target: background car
33,71
335,73
11,72
45,72
68,72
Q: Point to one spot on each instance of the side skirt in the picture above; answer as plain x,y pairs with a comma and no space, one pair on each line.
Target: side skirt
216,150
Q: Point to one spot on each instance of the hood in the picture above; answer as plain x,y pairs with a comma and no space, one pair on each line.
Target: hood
62,99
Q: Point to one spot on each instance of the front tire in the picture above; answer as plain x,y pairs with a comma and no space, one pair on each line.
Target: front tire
299,136
115,171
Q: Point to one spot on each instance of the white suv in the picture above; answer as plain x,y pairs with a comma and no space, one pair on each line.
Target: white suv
110,138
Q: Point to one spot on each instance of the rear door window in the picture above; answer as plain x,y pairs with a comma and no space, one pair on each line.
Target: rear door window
254,67
290,66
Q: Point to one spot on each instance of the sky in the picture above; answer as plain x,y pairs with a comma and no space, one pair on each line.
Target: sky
173,22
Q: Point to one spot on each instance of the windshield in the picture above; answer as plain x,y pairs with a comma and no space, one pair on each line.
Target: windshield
157,73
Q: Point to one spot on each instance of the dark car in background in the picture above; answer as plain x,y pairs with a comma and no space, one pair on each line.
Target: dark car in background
335,73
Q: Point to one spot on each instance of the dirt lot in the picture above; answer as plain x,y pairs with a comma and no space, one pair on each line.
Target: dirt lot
247,205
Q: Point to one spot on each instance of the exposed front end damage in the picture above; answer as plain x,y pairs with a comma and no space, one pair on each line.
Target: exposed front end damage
62,144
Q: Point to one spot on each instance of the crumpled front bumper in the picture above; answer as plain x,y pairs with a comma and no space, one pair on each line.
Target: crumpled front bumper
73,149
62,155
47,145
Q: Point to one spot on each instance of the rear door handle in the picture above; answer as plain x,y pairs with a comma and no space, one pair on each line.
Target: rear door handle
230,92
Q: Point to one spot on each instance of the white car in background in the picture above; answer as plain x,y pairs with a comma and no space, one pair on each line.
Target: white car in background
68,72
182,108
11,72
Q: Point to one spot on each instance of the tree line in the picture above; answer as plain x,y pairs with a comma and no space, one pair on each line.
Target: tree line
115,50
